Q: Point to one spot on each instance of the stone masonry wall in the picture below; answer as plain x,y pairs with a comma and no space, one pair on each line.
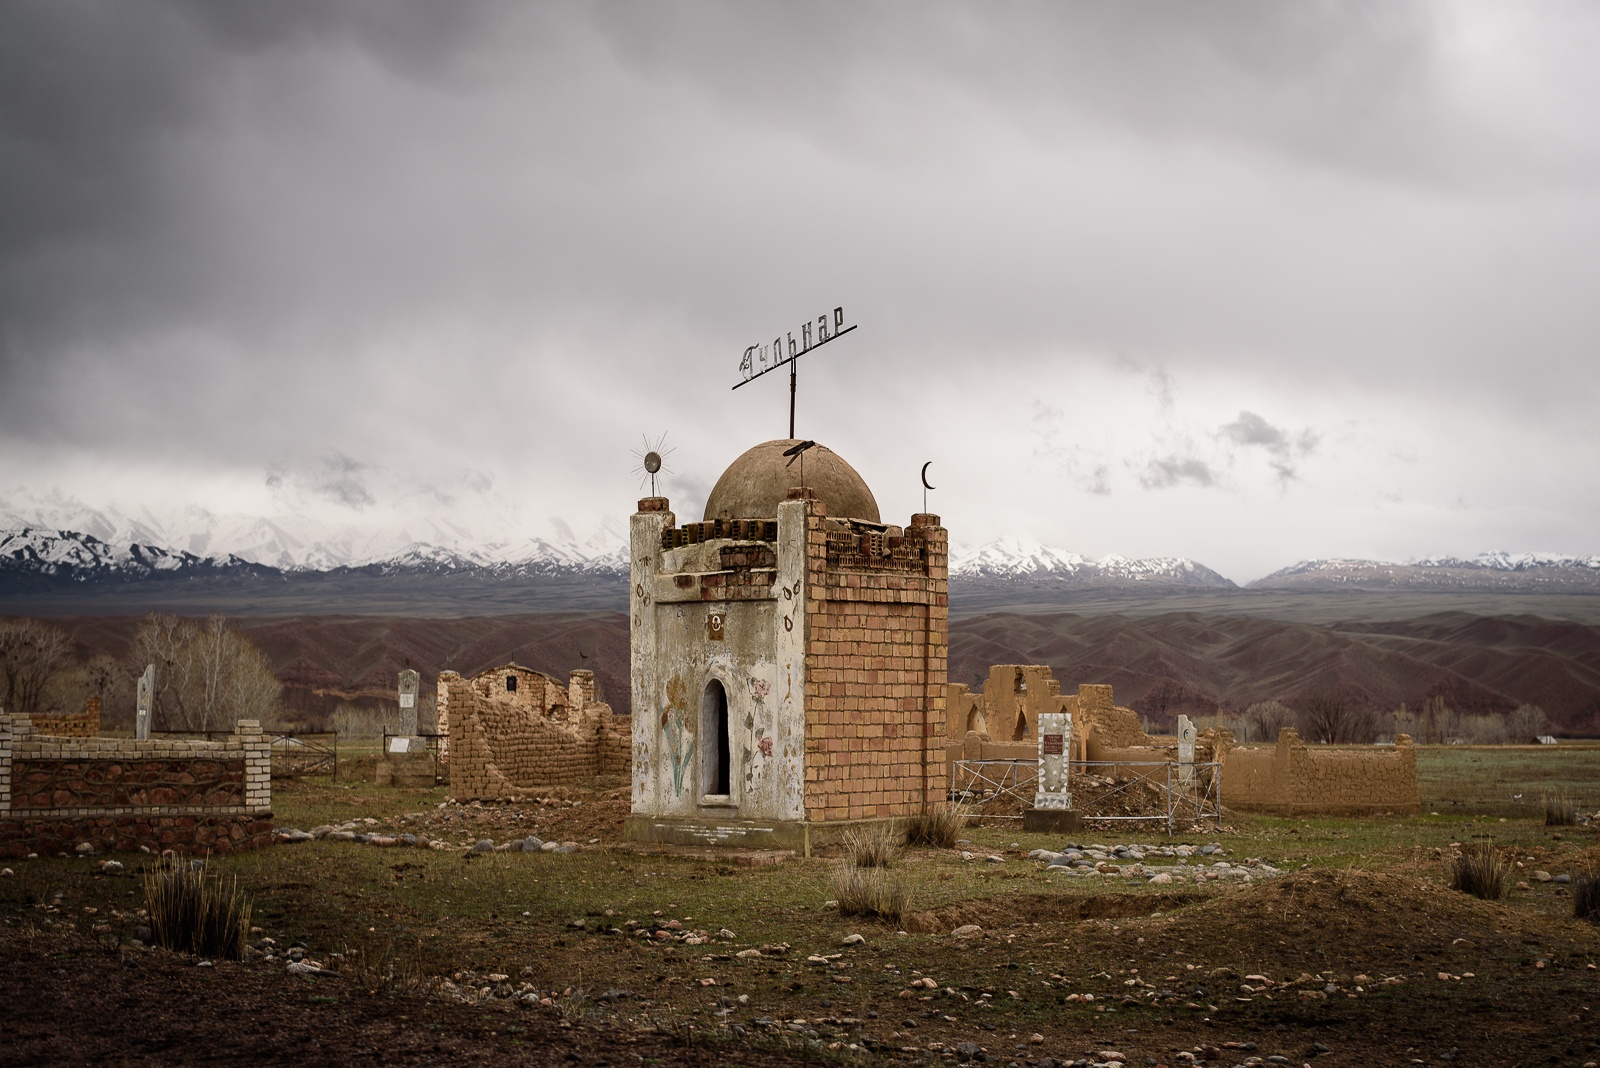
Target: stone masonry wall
500,751
120,794
877,646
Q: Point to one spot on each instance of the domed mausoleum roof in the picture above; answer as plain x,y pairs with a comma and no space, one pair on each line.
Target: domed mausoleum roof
756,483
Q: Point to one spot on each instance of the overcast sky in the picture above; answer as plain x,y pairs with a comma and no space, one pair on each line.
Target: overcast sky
1243,282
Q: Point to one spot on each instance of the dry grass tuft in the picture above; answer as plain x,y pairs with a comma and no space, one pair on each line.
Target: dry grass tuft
870,892
937,827
386,965
873,846
1586,897
1481,871
193,912
1560,810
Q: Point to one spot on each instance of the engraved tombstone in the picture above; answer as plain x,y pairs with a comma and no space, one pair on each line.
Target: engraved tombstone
1052,798
1186,735
406,761
146,701
410,686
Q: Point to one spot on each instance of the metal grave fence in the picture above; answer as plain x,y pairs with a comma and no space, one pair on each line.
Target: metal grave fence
1189,792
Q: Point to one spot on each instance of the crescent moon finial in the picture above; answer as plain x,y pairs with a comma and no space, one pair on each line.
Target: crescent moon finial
925,475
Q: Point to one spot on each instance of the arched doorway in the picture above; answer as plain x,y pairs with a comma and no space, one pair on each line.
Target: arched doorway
716,756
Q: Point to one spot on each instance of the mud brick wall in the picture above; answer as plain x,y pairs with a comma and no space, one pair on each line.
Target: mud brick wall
1291,778
501,751
615,753
85,724
120,794
877,648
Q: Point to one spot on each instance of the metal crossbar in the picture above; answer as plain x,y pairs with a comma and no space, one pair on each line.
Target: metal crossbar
1188,791
982,781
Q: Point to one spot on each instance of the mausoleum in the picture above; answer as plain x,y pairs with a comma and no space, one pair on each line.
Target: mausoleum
788,658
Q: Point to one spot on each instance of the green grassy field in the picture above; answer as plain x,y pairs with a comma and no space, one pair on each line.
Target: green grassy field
1507,780
1361,896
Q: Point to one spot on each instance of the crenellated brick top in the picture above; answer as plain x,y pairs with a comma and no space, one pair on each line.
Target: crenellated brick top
764,530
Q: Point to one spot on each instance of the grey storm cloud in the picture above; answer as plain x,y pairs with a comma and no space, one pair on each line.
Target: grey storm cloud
1169,471
333,476
484,236
1282,449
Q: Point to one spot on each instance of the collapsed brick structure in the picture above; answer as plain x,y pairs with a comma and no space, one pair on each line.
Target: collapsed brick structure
1001,723
120,794
788,657
85,724
513,729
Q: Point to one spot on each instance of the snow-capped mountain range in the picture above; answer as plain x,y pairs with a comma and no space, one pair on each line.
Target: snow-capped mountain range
119,551
1015,559
1494,571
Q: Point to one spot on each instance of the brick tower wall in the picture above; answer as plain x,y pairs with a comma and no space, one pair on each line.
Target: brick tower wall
877,647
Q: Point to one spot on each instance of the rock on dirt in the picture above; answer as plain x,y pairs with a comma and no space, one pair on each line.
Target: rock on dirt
967,930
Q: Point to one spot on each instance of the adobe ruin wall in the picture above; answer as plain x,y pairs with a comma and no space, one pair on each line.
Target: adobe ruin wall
1001,723
119,794
506,743
1291,778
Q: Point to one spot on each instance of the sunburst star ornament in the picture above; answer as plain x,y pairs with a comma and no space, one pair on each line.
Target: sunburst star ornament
651,461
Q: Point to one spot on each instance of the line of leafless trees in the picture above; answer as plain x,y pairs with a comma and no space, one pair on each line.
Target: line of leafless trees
1333,717
207,678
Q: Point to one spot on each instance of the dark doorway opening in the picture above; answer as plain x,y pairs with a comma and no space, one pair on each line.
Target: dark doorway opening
714,729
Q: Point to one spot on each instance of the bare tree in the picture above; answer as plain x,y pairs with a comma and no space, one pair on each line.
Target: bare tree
1263,720
31,655
1332,717
101,676
208,676
1525,724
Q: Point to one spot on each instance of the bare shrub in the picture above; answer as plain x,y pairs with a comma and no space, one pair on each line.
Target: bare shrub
872,846
937,827
1481,871
31,655
193,912
1559,810
870,892
1263,720
208,676
1586,897
362,721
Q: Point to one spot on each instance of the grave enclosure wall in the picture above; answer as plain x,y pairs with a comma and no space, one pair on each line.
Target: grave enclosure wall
119,794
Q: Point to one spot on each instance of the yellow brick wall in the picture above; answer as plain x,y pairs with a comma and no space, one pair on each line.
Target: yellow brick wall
877,648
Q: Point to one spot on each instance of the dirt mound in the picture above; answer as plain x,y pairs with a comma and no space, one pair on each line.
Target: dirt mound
1342,909
1013,909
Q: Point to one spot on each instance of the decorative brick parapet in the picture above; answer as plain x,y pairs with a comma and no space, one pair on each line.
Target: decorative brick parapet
201,795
